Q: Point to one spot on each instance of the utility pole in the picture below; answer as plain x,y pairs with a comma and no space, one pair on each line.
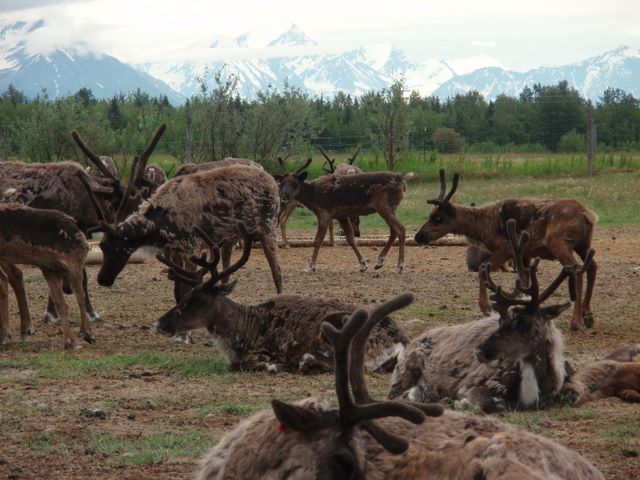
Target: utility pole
592,141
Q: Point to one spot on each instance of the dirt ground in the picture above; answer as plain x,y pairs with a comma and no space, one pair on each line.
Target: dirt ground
49,425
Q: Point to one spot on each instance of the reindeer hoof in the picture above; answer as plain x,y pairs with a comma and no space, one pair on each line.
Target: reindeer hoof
94,317
400,268
27,333
69,344
309,269
48,318
364,266
587,318
575,326
88,337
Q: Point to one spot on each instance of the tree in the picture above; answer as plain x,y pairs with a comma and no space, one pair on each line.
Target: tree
389,122
447,140
618,118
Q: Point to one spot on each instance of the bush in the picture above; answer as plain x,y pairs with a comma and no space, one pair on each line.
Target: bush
447,140
572,142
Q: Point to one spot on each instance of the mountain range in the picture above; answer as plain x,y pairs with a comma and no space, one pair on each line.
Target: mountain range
289,58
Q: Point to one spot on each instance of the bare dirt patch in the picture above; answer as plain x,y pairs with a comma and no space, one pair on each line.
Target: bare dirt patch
111,409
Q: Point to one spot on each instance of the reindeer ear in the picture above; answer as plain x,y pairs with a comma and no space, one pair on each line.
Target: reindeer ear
552,311
294,417
302,176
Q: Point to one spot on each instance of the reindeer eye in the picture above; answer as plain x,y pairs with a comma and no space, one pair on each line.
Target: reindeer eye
437,219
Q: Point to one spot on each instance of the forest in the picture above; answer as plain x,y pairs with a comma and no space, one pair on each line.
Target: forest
288,123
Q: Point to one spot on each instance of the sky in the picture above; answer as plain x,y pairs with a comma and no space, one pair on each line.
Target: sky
519,35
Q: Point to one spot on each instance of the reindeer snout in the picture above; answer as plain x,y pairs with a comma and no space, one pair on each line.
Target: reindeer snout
421,237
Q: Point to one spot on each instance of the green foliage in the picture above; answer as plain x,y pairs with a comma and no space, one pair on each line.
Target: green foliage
572,142
447,140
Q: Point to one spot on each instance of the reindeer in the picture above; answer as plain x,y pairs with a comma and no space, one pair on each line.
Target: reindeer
282,333
215,200
390,440
59,186
556,228
51,241
511,360
189,168
341,197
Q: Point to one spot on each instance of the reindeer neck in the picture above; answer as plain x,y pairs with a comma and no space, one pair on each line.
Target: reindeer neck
236,324
543,371
307,194
477,223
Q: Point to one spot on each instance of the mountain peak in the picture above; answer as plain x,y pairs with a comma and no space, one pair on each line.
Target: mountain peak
294,37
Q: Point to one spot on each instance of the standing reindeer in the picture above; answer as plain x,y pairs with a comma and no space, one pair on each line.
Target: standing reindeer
381,440
214,200
511,360
280,333
556,229
341,197
51,241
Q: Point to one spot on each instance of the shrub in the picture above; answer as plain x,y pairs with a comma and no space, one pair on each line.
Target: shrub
572,142
447,140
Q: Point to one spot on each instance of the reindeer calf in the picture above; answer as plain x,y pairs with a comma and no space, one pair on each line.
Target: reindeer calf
389,440
51,241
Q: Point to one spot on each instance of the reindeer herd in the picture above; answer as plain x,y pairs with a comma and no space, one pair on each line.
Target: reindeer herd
512,358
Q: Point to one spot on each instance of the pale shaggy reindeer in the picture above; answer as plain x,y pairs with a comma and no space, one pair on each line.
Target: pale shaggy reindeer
189,168
556,229
214,200
51,241
511,360
345,196
363,438
282,333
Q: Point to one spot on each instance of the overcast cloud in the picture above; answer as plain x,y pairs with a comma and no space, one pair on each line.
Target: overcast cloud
521,35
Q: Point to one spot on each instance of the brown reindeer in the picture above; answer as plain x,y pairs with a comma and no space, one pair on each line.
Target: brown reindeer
51,241
556,229
511,360
341,197
189,168
390,440
214,200
282,333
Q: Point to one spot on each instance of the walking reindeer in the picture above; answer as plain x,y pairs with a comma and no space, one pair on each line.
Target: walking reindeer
556,229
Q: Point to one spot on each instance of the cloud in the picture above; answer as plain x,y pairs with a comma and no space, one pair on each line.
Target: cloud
483,43
15,5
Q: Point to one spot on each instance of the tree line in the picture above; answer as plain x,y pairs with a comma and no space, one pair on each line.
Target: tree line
287,122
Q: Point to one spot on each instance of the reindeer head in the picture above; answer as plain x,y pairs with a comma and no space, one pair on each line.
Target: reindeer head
290,182
524,325
202,305
310,439
442,217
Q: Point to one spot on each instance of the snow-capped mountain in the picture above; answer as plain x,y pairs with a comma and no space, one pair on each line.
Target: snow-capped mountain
291,57
619,68
65,71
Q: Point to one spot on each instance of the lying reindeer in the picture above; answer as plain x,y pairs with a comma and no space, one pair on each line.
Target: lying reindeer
341,197
556,228
51,241
389,440
511,360
282,333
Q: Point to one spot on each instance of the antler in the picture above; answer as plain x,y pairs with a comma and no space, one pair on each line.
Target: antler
102,218
526,276
442,198
328,161
144,158
353,158
349,344
93,157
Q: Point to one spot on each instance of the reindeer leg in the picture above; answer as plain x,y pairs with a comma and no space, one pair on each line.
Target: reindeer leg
565,257
54,282
225,255
348,233
76,280
5,335
91,313
283,217
51,314
396,230
14,275
323,224
587,316
269,247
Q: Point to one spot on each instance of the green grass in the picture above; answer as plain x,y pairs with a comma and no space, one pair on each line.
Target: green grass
66,365
49,443
154,449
